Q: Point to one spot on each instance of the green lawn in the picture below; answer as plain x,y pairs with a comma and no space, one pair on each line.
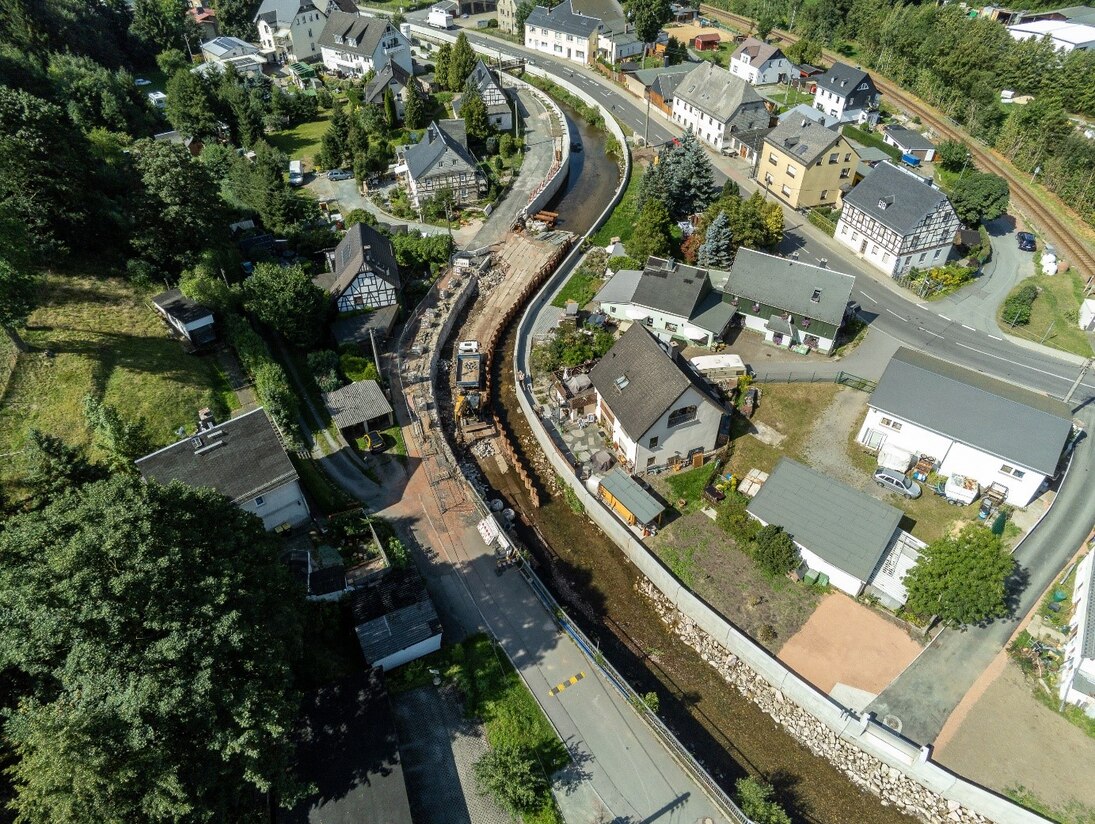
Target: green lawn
105,339
871,139
790,97
1054,315
689,485
621,223
581,287
302,142
495,694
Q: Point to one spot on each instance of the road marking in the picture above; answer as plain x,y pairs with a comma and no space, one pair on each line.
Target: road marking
892,312
995,338
1015,362
921,306
948,320
968,327
930,332
868,297
570,682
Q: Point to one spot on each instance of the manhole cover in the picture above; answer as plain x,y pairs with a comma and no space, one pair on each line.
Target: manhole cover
893,722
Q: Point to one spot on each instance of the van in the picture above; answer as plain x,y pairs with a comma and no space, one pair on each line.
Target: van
296,172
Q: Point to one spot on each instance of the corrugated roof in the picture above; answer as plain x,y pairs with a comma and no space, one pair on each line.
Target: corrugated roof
716,92
897,198
240,458
1087,647
392,613
356,403
1016,425
640,503
846,527
790,285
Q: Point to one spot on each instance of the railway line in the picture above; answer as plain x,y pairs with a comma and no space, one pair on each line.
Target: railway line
1058,230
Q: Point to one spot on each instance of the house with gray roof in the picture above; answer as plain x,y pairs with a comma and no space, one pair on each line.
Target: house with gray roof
968,423
362,271
657,410
840,532
390,76
759,63
242,459
658,84
847,94
806,110
289,29
563,32
186,317
791,303
1076,679
671,299
909,142
359,406
805,164
355,45
494,97
225,49
722,110
395,620
441,160
897,220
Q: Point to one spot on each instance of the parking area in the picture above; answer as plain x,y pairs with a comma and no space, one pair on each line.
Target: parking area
849,650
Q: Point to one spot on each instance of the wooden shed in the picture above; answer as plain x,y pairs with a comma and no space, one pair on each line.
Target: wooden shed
631,502
706,41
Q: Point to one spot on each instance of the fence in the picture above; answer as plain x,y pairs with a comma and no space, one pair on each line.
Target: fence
856,382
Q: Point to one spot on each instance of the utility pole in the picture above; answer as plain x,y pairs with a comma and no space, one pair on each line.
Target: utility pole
646,127
1076,383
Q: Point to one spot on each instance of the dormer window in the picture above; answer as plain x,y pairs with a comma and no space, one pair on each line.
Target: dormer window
816,296
884,202
621,383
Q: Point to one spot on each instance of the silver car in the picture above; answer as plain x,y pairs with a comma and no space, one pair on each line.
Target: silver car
339,174
895,481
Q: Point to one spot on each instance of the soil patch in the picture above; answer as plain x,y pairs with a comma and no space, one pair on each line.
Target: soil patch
845,642
1011,742
826,448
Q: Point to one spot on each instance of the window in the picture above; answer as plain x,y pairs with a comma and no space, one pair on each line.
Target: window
653,444
834,157
682,415
874,248
816,296
785,190
847,157
768,178
886,257
670,327
824,194
650,461
1013,472
772,159
937,251
922,256
844,173
891,424
791,170
259,501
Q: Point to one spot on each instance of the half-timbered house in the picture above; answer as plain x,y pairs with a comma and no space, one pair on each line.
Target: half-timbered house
363,271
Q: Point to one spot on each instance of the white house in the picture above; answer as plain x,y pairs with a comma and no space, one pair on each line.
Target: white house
390,76
724,111
657,410
671,299
494,97
788,302
192,321
563,32
759,63
843,533
224,48
363,273
616,46
1066,36
288,29
896,220
356,45
1077,676
910,142
441,160
971,424
242,459
847,94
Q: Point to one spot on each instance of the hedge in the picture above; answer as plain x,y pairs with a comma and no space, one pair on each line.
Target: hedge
270,381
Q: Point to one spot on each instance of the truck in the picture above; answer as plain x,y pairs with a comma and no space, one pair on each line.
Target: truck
439,19
296,172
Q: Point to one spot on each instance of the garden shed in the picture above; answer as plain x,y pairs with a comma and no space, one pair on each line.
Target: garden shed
629,500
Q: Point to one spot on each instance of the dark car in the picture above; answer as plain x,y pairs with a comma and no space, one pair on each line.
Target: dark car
576,146
374,441
1026,241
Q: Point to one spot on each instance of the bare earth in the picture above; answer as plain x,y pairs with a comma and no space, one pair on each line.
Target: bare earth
846,643
1008,739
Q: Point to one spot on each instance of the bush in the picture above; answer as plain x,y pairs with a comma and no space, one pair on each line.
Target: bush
271,384
324,368
755,800
773,550
491,144
736,521
1017,307
358,368
506,145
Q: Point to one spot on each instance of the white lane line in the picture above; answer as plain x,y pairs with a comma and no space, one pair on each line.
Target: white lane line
868,297
921,306
1016,363
948,320
968,327
930,332
892,312
995,338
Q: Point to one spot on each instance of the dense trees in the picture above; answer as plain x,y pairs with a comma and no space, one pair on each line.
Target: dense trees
961,578
980,196
145,692
285,299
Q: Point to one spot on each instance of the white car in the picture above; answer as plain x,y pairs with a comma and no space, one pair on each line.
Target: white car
142,81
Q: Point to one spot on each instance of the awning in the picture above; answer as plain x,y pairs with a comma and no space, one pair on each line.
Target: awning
636,312
693,333
778,324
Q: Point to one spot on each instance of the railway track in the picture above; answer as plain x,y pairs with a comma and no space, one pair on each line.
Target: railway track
1059,230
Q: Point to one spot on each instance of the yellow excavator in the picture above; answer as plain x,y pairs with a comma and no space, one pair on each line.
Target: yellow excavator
463,399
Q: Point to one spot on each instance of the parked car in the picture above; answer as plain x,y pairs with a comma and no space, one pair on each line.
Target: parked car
1026,241
895,481
374,441
142,81
339,174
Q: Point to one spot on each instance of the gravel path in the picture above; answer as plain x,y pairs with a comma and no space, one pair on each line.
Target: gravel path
826,448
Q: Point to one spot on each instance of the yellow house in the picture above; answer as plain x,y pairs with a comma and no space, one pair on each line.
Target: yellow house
805,164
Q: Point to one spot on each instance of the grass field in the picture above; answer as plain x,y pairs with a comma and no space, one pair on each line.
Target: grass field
621,223
870,139
689,485
105,339
580,287
789,97
1054,315
302,142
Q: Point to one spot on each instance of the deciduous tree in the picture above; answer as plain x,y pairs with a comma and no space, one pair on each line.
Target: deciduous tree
511,776
286,299
147,692
189,107
961,578
980,196
18,292
648,17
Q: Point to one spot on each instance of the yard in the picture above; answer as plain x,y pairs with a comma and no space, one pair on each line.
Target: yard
788,97
302,142
1054,314
102,338
872,139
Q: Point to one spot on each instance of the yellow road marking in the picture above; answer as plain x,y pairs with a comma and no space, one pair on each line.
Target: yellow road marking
570,682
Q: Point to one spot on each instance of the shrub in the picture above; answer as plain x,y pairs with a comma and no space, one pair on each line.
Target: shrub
398,556
1018,305
755,800
491,144
324,368
358,368
506,145
271,384
736,521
